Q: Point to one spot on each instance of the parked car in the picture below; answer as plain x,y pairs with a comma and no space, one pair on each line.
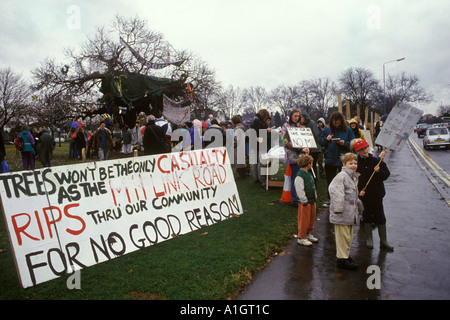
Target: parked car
422,129
436,138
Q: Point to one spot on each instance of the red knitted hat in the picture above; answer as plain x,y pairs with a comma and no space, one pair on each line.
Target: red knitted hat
360,144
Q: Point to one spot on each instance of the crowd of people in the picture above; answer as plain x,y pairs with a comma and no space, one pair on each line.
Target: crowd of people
355,177
355,182
34,145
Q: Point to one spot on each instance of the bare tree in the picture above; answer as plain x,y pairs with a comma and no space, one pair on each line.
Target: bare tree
231,101
256,98
207,90
324,91
444,111
15,96
405,88
306,98
360,86
284,97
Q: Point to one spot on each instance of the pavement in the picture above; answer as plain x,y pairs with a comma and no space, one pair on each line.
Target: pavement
418,224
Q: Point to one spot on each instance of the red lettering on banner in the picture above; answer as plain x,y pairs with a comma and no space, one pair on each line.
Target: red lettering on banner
159,163
174,163
209,175
23,229
118,190
182,155
53,220
66,213
18,230
41,231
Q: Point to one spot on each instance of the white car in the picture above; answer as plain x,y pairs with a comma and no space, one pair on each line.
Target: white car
436,138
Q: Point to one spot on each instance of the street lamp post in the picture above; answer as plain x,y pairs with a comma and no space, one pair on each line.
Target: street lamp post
384,82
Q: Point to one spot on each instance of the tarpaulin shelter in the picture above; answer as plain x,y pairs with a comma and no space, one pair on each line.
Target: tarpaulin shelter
127,94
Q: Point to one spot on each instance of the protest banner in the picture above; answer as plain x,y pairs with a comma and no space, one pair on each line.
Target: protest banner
368,137
302,137
64,219
398,126
175,111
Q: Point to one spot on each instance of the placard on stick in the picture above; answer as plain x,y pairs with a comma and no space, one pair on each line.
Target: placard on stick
302,137
63,219
398,126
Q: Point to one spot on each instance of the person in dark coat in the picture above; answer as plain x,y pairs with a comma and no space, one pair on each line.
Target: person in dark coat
81,143
372,192
126,134
259,123
102,142
2,150
211,133
154,141
28,149
377,132
45,148
336,140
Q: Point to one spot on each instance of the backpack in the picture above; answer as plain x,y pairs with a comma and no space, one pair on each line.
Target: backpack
19,143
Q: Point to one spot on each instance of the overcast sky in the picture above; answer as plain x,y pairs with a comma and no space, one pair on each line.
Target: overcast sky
253,42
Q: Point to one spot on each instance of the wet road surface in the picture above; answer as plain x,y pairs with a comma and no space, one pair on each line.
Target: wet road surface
418,225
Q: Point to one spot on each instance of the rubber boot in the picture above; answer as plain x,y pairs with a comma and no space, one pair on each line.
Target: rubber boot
383,238
368,233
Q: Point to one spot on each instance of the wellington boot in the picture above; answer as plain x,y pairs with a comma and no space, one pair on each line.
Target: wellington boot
368,233
383,238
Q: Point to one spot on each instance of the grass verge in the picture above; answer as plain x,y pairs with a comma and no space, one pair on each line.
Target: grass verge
214,263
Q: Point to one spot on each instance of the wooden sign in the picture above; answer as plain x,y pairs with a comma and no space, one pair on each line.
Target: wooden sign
339,103
63,219
347,108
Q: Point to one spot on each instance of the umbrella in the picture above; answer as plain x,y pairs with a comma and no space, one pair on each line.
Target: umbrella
74,124
384,118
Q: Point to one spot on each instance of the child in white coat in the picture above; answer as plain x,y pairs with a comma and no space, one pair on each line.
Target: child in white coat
344,209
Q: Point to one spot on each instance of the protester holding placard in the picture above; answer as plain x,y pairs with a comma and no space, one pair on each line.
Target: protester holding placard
291,153
373,173
306,121
336,140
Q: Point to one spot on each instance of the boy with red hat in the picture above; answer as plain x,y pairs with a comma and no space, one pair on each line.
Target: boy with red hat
372,192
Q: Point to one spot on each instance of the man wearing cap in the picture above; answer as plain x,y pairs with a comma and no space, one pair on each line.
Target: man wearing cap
372,192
